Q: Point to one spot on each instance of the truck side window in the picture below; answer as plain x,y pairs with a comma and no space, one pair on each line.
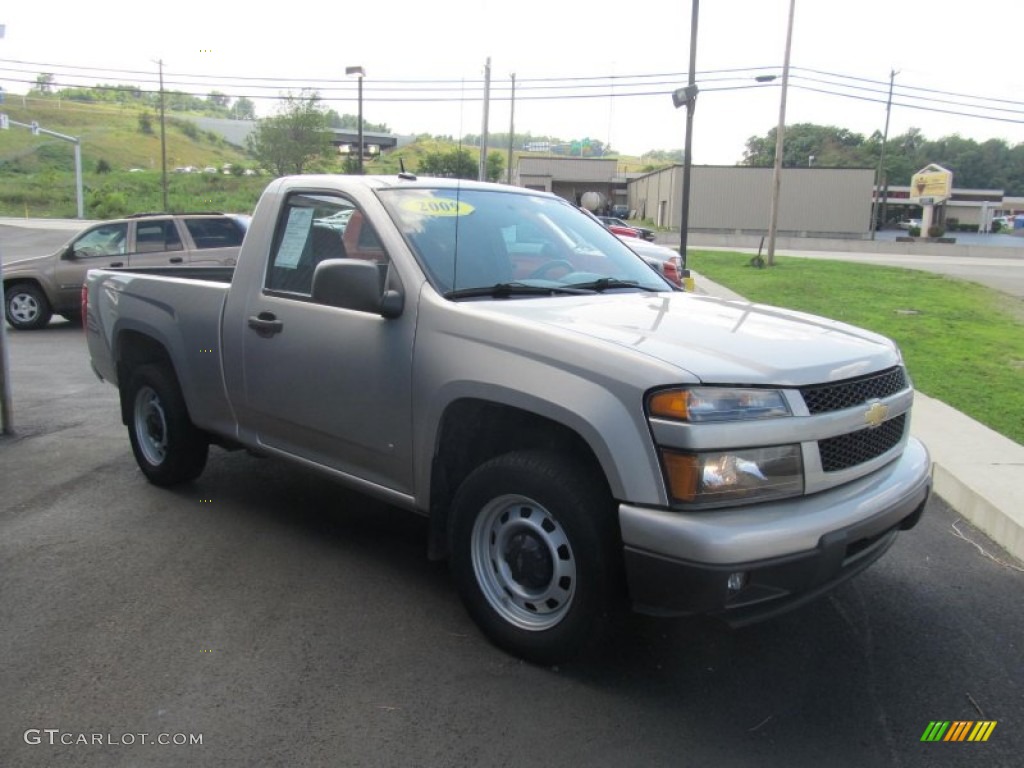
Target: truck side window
151,236
314,227
214,233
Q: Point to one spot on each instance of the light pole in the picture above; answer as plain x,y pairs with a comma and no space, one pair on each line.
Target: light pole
360,73
688,96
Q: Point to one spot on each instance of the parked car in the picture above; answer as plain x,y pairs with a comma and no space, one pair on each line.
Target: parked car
663,259
643,232
910,224
38,287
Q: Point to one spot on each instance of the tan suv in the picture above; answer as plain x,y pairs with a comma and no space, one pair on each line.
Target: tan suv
38,287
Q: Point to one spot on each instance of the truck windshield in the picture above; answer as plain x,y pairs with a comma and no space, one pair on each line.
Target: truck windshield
467,239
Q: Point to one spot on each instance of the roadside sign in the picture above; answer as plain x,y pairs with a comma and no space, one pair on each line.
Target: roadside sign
5,122
34,127
932,181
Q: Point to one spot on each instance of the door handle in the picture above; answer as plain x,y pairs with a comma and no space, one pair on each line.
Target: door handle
176,260
266,324
117,263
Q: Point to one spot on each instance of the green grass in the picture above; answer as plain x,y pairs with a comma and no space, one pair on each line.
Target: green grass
963,343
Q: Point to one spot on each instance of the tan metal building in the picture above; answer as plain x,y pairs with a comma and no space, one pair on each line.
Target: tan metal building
571,177
812,201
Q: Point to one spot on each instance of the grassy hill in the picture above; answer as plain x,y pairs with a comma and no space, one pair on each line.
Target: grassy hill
37,172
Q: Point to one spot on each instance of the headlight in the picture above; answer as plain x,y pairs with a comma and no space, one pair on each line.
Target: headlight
744,475
702,404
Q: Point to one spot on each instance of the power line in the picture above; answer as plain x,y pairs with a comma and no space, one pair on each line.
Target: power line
544,89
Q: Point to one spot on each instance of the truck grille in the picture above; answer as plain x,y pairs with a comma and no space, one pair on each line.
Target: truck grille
855,448
822,398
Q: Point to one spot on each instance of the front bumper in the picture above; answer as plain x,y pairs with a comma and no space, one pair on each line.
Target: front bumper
679,563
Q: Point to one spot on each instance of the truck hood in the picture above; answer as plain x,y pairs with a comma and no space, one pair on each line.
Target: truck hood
714,340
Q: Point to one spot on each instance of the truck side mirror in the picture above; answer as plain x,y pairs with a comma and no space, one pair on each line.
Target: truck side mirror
68,254
352,284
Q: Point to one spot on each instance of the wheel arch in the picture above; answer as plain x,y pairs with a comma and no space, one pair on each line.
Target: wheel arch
132,350
473,431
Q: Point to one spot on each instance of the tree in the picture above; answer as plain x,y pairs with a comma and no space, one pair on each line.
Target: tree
293,139
351,122
44,83
495,166
218,100
457,164
243,109
145,122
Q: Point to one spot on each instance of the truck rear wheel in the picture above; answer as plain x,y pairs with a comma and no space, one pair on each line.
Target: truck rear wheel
534,554
26,307
168,448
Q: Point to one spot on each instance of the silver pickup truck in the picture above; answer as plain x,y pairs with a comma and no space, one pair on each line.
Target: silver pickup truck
579,432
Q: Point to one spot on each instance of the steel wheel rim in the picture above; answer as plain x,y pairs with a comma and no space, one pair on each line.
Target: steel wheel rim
24,307
151,426
512,530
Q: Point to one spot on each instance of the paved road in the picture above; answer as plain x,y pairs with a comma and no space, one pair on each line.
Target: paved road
292,623
1003,270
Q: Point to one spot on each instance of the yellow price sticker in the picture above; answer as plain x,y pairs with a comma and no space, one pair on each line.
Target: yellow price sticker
437,206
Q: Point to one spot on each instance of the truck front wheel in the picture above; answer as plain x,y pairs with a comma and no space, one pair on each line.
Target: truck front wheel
167,447
533,554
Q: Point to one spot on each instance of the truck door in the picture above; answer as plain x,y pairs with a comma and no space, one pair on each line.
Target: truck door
157,244
329,385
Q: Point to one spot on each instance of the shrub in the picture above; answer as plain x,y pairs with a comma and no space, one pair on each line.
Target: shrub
104,204
102,166
936,230
145,122
914,231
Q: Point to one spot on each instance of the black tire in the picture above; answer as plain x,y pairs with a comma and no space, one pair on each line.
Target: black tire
168,448
535,554
26,307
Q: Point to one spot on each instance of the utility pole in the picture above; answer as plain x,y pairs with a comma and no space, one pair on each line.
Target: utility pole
359,72
881,177
780,132
163,138
482,168
511,129
6,408
688,96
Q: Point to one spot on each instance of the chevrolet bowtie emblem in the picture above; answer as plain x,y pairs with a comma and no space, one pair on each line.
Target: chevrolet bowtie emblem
876,414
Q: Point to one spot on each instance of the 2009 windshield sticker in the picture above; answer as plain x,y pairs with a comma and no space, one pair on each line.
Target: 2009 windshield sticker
437,206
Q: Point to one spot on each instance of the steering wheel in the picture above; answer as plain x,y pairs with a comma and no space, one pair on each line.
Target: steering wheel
542,271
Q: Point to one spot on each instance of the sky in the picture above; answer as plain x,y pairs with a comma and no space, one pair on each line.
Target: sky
424,63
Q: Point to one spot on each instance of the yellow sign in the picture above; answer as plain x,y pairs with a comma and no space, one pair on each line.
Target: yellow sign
437,206
933,181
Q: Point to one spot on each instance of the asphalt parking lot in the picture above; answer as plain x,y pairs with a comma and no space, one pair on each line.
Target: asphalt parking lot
288,622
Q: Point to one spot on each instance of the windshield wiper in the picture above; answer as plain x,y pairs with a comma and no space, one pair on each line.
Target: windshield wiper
503,290
604,283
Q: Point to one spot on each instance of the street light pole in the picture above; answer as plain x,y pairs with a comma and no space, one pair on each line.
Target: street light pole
361,73
780,132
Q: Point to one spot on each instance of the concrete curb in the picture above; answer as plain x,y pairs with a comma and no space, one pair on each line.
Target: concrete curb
979,472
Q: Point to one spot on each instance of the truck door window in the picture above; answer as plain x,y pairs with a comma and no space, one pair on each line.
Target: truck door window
215,233
151,236
105,240
315,227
